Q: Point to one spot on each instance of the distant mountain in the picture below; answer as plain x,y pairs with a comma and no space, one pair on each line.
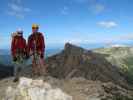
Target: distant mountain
5,71
52,51
117,55
122,57
5,59
4,52
118,45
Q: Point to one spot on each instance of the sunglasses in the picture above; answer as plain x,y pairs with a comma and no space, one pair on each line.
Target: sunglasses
20,33
34,27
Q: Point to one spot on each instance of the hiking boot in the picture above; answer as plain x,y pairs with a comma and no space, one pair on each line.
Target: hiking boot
16,80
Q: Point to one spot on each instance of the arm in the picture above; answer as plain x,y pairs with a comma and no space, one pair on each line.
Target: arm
29,45
26,54
42,44
13,47
24,45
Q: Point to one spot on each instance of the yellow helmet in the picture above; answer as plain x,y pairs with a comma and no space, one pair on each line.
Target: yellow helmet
35,26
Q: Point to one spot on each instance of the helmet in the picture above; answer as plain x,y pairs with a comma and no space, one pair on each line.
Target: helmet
19,31
35,26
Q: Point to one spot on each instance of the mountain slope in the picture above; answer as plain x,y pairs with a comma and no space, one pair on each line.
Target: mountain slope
74,61
122,57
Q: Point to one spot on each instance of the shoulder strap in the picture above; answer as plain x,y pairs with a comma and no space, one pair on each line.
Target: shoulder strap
15,39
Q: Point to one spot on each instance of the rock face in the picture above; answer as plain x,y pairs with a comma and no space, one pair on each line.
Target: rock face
74,61
29,89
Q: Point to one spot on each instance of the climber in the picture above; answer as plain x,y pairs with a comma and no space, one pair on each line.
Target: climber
36,48
19,52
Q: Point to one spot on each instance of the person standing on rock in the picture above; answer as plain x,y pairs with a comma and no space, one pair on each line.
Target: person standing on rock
36,48
19,52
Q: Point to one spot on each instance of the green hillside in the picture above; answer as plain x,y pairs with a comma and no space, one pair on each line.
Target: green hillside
121,57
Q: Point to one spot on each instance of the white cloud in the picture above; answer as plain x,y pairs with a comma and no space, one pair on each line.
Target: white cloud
27,9
94,6
97,8
107,24
126,37
15,8
119,39
64,11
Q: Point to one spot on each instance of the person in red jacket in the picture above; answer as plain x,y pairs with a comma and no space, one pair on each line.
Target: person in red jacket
19,52
36,48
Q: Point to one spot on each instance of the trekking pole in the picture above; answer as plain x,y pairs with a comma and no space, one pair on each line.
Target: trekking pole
19,57
36,57
34,53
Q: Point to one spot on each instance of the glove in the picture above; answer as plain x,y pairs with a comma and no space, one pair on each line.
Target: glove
26,56
41,56
31,53
14,59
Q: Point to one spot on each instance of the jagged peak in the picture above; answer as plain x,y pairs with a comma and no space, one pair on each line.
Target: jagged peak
71,48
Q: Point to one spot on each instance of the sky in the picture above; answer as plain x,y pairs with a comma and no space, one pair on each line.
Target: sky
74,21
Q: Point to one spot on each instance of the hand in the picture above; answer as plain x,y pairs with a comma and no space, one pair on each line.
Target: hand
41,56
31,53
39,52
26,56
14,58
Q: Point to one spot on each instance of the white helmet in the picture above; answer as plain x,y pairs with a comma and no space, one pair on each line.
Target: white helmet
19,31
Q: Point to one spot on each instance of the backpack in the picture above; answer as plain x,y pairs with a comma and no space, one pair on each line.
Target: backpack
19,46
35,38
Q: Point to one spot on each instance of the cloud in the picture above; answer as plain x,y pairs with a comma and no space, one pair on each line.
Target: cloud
94,6
126,37
119,39
97,8
15,8
64,11
107,24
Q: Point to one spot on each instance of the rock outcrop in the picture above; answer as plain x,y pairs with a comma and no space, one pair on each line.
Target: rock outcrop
29,89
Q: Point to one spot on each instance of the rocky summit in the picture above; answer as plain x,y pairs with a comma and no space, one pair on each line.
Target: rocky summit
29,89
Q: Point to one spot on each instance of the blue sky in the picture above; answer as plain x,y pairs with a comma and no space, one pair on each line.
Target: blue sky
75,21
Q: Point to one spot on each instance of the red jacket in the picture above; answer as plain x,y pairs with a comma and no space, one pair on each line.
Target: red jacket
36,42
18,42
